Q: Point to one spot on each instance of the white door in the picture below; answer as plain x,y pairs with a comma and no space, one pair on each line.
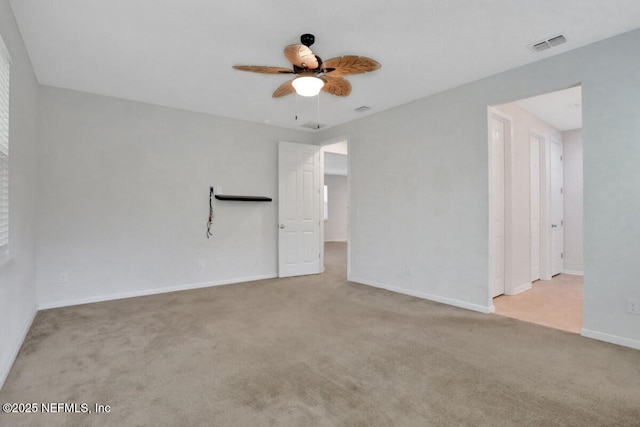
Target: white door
298,209
557,207
497,139
534,145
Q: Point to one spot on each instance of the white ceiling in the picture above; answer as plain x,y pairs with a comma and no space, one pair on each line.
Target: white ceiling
561,109
179,53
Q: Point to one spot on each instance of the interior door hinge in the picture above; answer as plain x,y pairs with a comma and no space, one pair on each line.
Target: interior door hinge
561,190
560,158
562,255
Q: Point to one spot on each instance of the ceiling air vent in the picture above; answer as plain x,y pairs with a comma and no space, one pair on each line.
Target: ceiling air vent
555,41
313,125
362,109
548,43
539,47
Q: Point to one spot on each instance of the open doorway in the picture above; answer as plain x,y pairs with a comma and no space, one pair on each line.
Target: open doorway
537,276
335,205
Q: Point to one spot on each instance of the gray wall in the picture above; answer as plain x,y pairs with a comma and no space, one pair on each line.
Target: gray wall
573,202
419,186
17,272
335,227
122,192
124,200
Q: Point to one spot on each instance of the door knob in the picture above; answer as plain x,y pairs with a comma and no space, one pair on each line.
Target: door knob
554,225
281,226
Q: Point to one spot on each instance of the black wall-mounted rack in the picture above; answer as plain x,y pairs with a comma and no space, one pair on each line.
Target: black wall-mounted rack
243,198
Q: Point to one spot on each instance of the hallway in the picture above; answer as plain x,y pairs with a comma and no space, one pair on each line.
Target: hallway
556,303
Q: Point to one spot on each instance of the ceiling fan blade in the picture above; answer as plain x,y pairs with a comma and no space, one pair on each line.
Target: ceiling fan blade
285,89
263,69
336,86
350,64
301,56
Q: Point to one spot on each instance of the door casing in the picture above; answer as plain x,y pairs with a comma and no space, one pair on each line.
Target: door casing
499,149
556,208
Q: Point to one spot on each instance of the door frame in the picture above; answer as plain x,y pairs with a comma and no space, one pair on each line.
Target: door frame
322,145
545,207
542,138
561,207
493,113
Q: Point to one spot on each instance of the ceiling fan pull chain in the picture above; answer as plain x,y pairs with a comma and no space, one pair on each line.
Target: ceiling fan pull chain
318,111
296,111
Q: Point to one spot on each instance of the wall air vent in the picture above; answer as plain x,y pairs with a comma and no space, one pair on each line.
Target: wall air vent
313,125
548,43
362,109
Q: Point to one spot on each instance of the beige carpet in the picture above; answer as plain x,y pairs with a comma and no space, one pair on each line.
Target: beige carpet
556,303
314,351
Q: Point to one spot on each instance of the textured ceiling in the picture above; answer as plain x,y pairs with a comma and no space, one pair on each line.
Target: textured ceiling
179,53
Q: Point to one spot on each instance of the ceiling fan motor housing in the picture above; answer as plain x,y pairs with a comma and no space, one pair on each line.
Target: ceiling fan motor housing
307,39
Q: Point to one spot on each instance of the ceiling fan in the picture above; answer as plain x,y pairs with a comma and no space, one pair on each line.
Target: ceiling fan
312,74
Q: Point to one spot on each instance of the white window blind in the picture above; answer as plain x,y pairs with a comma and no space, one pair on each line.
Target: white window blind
5,63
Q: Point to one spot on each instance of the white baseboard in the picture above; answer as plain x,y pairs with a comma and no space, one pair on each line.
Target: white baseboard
444,300
6,369
336,241
145,292
519,289
575,272
613,339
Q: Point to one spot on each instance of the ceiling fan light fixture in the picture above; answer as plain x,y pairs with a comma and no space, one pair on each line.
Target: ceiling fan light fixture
307,85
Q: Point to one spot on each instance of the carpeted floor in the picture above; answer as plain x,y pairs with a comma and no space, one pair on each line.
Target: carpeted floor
314,351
